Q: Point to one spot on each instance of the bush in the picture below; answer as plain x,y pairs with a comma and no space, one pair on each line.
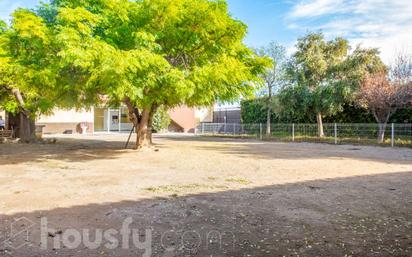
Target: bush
161,120
254,111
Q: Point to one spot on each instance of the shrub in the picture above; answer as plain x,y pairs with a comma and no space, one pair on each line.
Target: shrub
254,111
161,120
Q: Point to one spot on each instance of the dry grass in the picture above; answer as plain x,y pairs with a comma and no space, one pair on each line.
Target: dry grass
241,181
185,188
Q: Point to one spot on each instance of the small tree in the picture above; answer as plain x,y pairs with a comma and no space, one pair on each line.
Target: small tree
273,76
400,71
313,70
323,76
384,93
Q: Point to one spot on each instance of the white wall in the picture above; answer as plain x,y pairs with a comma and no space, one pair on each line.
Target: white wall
204,114
72,116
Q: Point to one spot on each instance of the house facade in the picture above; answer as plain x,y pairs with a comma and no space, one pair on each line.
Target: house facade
111,120
3,116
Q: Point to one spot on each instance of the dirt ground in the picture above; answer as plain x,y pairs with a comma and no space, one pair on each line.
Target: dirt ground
199,196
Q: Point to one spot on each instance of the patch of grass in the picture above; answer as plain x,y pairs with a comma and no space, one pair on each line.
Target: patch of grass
241,181
401,141
56,165
211,178
183,188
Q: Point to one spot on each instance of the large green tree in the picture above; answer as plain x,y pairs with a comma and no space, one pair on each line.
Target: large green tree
152,53
34,77
324,75
27,71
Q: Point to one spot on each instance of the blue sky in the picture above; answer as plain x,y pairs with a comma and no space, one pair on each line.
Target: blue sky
265,20
385,24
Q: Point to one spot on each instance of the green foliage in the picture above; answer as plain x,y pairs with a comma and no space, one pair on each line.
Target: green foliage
161,120
351,113
3,27
254,111
323,76
27,64
403,115
157,52
147,54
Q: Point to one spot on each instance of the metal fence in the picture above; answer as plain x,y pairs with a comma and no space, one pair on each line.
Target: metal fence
335,133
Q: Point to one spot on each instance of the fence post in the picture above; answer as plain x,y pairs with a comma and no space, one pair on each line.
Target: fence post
225,128
203,128
293,132
393,135
260,127
234,128
336,134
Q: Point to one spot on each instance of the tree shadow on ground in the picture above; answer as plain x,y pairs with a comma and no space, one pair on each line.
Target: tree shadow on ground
65,149
82,149
280,150
357,216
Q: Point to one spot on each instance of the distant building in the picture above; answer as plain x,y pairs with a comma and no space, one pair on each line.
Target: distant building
100,120
226,115
105,120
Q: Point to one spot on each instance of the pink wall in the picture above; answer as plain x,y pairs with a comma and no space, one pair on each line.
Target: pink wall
184,117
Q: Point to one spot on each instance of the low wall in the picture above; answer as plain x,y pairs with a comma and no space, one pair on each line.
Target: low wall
64,127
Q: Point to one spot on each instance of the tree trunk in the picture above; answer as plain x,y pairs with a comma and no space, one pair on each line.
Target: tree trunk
27,126
142,122
381,132
269,112
382,117
150,122
320,124
27,129
143,135
134,115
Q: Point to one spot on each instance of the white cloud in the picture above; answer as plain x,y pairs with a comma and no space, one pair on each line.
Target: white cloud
383,24
316,8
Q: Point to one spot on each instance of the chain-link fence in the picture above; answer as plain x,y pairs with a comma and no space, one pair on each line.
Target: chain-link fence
334,133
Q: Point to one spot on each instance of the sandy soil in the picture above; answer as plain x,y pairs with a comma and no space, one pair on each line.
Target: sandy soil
205,197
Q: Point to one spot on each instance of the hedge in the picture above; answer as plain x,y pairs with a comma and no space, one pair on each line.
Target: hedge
254,111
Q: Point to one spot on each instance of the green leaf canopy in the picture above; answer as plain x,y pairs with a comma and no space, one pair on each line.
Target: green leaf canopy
154,52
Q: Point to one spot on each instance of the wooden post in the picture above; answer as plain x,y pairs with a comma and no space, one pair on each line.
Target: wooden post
128,139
